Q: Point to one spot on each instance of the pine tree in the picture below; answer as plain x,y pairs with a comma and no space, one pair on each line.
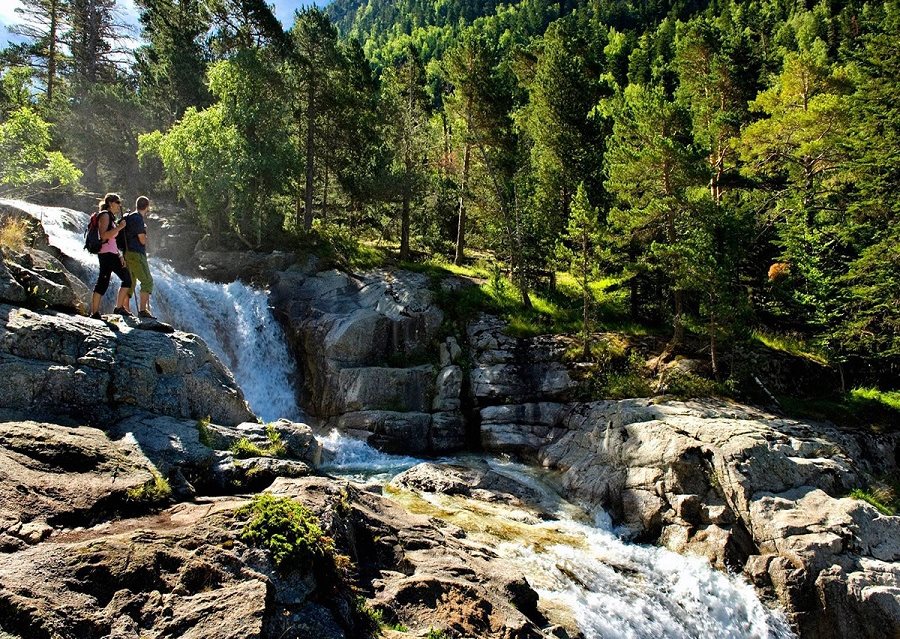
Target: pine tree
315,57
795,151
41,23
172,66
566,139
583,236
651,165
94,40
407,104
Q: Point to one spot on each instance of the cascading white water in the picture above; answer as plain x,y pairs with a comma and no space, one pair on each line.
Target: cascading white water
614,589
233,319
620,590
354,459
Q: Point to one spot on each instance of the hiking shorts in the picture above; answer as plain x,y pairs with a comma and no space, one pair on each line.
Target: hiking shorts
140,270
111,263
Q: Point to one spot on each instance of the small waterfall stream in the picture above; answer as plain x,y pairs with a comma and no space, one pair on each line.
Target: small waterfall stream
233,319
614,589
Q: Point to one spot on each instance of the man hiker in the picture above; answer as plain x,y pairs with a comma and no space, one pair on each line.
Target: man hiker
136,255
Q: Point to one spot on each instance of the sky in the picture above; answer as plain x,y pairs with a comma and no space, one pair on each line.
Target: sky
284,9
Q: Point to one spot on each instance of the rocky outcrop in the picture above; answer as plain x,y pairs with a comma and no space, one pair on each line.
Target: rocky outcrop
744,488
203,457
187,572
57,364
37,279
424,573
361,341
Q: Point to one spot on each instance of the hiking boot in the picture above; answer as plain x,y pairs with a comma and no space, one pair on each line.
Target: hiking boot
146,315
121,310
96,316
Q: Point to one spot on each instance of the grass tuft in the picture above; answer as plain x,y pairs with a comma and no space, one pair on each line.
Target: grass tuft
13,233
244,448
287,529
882,498
153,490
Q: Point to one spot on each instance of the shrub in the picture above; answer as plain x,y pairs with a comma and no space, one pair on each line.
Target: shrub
290,531
685,385
203,432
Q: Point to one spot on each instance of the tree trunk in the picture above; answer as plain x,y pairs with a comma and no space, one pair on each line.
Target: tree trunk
325,193
404,227
713,342
310,155
51,60
461,228
586,293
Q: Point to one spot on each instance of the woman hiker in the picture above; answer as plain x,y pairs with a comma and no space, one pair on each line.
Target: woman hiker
111,260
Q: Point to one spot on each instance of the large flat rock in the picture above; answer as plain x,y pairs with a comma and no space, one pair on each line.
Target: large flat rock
56,475
52,363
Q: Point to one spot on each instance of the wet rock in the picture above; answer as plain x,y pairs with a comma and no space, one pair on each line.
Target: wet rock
520,428
476,481
390,431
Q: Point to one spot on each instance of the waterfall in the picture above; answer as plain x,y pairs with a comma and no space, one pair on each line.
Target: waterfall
233,319
615,590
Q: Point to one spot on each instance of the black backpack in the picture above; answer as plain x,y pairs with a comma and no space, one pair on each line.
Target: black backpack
92,241
122,237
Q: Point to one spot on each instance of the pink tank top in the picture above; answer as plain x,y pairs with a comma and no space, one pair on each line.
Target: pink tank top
109,246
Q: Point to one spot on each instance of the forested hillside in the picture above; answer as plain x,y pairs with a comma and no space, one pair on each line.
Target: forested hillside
731,168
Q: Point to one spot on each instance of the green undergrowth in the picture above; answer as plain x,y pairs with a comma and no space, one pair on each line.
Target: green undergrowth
553,311
795,345
244,448
884,495
154,490
867,408
288,530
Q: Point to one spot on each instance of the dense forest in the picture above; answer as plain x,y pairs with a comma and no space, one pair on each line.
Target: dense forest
731,166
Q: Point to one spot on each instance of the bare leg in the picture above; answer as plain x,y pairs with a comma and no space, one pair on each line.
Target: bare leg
145,301
95,303
123,299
